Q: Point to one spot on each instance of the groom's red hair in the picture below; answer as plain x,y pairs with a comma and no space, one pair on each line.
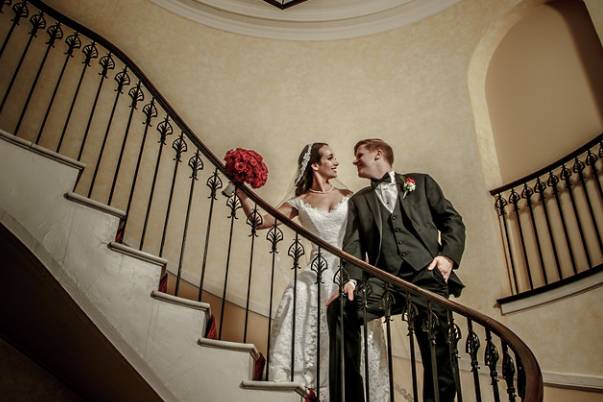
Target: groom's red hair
372,144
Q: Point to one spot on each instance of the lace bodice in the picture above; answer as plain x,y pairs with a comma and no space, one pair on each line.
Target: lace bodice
328,225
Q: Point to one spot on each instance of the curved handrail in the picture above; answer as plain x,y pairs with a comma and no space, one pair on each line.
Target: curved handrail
552,166
526,359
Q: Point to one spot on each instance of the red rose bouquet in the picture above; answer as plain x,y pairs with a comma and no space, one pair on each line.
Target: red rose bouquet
245,166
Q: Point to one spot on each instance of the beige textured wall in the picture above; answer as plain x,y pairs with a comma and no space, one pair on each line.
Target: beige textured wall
408,86
544,87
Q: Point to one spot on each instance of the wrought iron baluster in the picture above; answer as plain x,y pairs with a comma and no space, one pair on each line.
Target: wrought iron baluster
122,78
90,52
54,32
514,199
179,145
501,203
296,251
540,188
21,11
254,220
527,194
339,281
196,164
521,380
591,160
73,42
490,360
565,175
410,316
150,111
431,324
364,294
164,128
319,266
508,367
472,347
274,236
234,203
388,300
454,336
214,183
552,182
37,22
137,96
107,63
578,168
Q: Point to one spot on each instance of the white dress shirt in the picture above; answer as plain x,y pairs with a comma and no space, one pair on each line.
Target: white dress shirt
387,193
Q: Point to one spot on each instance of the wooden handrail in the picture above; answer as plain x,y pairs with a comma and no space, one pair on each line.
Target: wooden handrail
525,357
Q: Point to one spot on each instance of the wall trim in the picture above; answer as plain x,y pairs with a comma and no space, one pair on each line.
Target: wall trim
575,287
306,21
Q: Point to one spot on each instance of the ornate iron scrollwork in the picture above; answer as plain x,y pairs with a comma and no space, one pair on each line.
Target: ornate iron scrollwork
274,236
565,173
500,204
136,94
164,128
508,371
254,220
107,63
150,112
54,32
180,146
37,22
90,52
21,11
296,251
319,265
214,183
122,78
234,203
73,42
196,164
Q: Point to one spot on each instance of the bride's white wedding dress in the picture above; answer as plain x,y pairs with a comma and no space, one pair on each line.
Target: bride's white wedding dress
329,226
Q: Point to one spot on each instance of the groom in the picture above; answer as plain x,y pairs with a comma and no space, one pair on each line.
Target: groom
404,225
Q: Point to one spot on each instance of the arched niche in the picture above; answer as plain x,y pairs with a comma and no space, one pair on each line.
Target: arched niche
536,87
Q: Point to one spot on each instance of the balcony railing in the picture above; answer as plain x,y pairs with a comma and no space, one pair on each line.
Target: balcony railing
68,89
551,222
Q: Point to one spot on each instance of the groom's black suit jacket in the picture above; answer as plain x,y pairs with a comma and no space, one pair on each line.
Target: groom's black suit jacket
428,212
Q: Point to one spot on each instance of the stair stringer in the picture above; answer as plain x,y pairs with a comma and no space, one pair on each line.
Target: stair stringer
71,240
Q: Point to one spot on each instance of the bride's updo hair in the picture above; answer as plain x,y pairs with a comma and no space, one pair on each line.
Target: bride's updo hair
305,177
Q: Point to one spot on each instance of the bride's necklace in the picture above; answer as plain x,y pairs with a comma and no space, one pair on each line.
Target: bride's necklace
322,192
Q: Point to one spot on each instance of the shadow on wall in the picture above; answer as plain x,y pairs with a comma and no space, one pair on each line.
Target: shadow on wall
584,36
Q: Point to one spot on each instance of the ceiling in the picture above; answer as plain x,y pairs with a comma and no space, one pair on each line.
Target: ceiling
308,20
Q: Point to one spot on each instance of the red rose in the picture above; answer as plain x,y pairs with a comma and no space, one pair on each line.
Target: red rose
246,166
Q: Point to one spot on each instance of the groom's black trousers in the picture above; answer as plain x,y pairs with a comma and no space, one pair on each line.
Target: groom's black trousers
353,319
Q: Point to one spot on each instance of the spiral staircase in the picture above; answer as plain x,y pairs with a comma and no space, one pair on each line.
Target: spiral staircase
51,208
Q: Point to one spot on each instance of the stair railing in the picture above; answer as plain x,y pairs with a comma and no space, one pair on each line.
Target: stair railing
69,90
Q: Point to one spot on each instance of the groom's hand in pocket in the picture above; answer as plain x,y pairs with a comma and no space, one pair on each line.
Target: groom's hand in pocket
443,264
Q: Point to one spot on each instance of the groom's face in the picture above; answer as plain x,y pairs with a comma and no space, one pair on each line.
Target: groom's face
367,161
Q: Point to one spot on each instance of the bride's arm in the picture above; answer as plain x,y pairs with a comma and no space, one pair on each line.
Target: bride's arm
267,219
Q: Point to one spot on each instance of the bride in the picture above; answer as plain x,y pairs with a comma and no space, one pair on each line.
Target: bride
321,209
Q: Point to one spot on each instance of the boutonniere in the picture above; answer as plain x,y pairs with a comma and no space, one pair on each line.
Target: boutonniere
409,185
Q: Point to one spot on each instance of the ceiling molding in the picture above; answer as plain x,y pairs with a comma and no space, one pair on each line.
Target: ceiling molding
311,20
